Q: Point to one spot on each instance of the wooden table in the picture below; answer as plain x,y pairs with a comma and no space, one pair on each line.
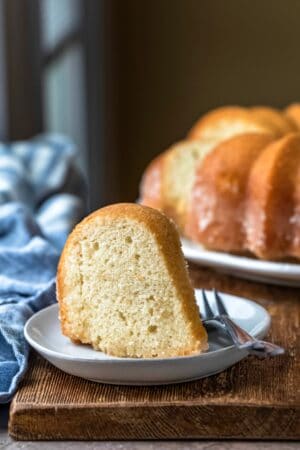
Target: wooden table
252,400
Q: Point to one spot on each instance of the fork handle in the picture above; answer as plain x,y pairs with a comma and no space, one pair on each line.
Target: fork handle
244,340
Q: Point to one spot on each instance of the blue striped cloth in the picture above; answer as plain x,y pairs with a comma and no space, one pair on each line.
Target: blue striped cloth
41,199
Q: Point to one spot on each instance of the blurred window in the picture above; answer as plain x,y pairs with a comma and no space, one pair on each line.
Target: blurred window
57,73
63,70
44,62
59,20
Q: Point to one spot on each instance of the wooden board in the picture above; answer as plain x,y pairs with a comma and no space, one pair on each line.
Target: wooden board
252,400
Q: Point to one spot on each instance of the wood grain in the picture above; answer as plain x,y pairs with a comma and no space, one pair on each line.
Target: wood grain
252,400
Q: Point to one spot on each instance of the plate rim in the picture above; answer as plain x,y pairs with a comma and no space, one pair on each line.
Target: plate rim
228,260
120,360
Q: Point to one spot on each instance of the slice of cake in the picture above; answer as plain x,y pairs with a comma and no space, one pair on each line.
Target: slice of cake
123,286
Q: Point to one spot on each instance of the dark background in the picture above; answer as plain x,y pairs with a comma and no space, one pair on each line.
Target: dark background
127,78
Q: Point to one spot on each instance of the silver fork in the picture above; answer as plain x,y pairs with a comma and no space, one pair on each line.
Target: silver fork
240,337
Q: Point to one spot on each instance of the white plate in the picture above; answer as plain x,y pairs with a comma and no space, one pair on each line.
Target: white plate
286,274
43,332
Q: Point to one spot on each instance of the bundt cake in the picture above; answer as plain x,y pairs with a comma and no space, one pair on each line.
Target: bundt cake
245,201
237,189
168,180
123,286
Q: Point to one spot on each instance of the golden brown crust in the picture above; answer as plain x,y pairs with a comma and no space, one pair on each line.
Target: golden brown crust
150,188
229,114
168,240
270,200
245,197
292,112
60,287
273,119
215,218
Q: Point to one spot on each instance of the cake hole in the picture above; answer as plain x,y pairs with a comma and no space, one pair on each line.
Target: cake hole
137,256
122,317
151,311
152,329
128,240
150,298
98,340
96,246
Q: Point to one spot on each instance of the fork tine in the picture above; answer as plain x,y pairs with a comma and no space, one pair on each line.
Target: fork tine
209,314
220,305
